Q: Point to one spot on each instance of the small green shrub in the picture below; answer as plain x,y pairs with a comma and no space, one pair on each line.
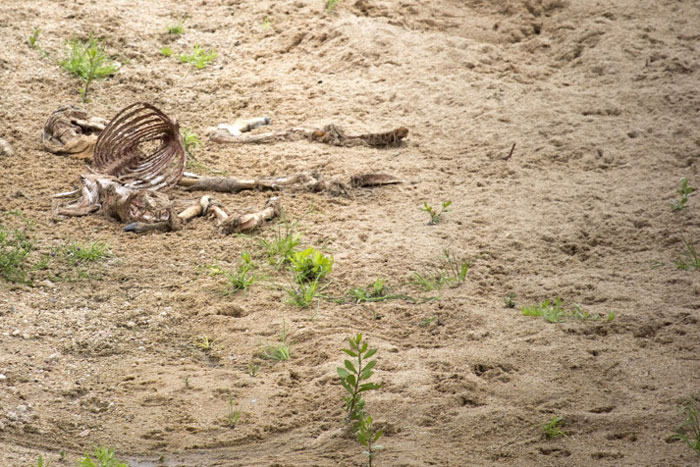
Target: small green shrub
690,261
199,57
310,265
33,38
435,215
279,249
88,61
330,5
205,343
302,295
552,429
103,457
15,248
238,279
684,191
176,29
555,312
352,375
509,300
166,52
689,431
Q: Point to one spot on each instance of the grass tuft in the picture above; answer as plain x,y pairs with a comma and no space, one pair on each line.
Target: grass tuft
199,57
689,431
552,428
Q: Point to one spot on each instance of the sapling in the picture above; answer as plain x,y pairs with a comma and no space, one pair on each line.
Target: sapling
435,215
352,375
88,61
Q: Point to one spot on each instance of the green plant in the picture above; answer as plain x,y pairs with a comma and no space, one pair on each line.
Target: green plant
310,265
279,249
190,141
427,322
104,457
450,271
435,216
167,52
204,342
555,312
352,375
253,369
199,57
176,29
34,37
41,463
187,381
238,279
94,251
377,291
689,431
684,191
690,260
367,436
330,5
302,295
552,429
509,300
278,352
234,416
15,247
88,61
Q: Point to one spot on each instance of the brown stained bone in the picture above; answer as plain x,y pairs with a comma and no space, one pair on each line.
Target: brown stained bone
373,179
70,130
142,148
248,222
174,221
312,181
330,134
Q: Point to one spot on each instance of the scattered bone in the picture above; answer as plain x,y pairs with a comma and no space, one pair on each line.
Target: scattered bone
243,125
312,181
173,222
330,134
6,149
70,130
248,222
142,148
373,179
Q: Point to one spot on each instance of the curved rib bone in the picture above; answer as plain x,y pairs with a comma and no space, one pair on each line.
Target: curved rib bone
70,130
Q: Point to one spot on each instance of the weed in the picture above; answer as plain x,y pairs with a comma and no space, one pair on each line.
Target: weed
266,24
234,416
41,463
374,292
15,247
690,260
253,369
330,5
552,429
280,248
176,29
190,141
427,322
684,191
278,352
555,312
199,57
302,295
238,279
451,272
88,61
166,52
367,436
509,300
104,457
310,265
187,382
351,376
689,431
435,216
94,251
205,343
34,37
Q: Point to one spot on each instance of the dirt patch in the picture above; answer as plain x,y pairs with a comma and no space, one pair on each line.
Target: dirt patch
602,103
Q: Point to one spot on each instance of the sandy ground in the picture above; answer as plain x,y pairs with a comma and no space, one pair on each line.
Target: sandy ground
601,100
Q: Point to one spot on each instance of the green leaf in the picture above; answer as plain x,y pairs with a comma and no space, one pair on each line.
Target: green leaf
349,352
368,387
369,353
364,347
350,380
342,372
350,366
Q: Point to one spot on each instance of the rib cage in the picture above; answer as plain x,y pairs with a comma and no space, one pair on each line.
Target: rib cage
118,151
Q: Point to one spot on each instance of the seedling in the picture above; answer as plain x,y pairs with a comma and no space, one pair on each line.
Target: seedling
367,436
509,300
166,52
302,295
280,248
555,312
253,369
233,415
187,382
310,265
352,375
689,431
435,216
690,260
238,279
103,457
552,429
451,272
684,191
199,57
94,251
88,61
330,5
279,352
427,322
205,343
176,29
34,37
41,463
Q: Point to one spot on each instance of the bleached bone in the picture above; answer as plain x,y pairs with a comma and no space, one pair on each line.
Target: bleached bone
330,134
248,222
242,125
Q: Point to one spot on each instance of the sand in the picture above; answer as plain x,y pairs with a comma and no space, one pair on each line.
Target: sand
601,102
